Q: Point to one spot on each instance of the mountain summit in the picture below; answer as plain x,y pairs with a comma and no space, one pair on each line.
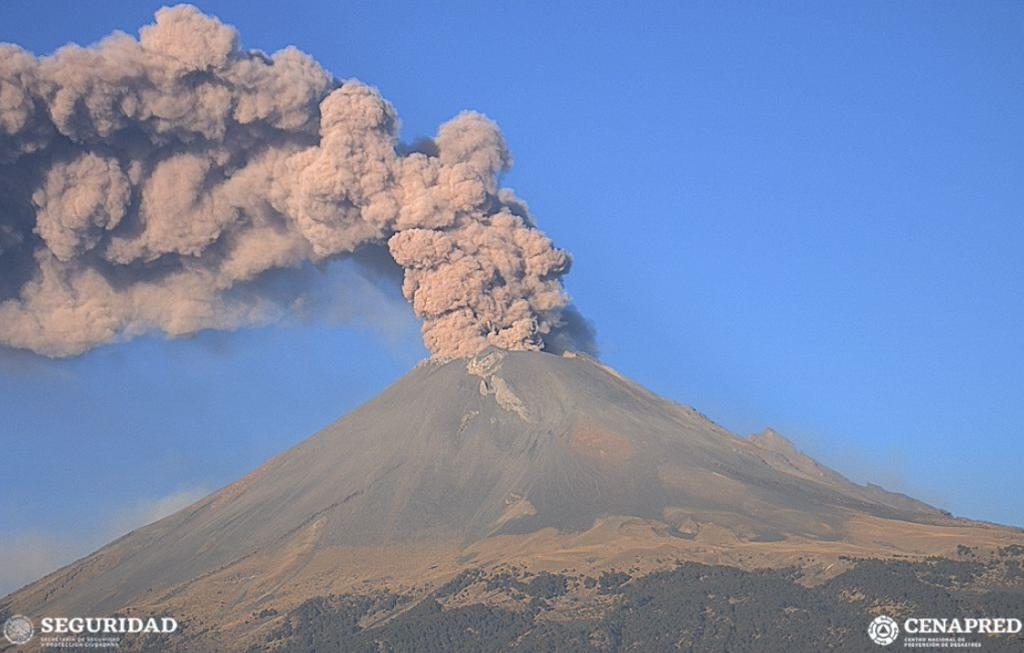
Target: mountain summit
508,458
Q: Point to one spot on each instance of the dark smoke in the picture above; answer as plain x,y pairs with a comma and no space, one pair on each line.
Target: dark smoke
152,184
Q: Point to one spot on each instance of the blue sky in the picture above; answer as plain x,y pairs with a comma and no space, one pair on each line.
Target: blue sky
803,215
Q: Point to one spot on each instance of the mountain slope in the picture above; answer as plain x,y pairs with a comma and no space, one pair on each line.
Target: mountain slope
524,458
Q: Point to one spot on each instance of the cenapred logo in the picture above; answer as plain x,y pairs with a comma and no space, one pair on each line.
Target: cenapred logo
883,630
18,629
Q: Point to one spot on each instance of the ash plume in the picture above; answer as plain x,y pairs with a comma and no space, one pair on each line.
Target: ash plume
147,184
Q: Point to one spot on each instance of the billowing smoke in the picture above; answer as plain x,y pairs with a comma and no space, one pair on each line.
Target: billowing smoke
148,184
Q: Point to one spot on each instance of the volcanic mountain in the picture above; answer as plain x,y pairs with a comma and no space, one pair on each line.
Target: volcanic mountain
508,460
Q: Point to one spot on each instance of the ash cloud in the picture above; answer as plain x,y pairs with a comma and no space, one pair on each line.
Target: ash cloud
150,184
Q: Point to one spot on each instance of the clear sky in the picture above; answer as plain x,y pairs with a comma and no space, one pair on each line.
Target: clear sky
803,215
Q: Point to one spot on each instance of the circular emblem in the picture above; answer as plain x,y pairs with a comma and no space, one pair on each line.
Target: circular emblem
18,629
883,630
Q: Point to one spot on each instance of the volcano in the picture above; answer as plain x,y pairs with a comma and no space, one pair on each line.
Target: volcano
508,460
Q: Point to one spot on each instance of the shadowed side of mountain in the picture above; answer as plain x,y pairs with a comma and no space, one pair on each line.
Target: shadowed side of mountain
782,455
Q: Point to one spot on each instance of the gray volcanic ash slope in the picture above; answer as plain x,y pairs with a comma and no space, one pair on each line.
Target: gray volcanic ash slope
509,457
